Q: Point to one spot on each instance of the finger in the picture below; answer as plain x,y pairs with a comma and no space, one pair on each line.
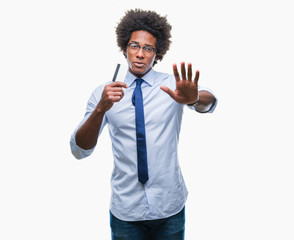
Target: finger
196,79
118,84
183,70
115,98
116,89
189,72
168,91
176,73
116,93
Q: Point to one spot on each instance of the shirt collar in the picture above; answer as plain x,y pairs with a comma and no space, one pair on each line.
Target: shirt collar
148,78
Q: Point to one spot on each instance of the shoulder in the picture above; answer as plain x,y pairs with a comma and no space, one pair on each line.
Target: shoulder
165,79
161,75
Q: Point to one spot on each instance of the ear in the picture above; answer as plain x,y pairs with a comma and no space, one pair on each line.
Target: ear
125,53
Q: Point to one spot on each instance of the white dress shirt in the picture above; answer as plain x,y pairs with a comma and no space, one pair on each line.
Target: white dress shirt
165,192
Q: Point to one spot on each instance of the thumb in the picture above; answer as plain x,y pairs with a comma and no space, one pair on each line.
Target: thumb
168,91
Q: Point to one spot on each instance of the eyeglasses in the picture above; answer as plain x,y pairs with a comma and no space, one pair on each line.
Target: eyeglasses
146,49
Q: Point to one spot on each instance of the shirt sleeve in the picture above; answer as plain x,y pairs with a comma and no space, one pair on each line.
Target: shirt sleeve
78,152
212,107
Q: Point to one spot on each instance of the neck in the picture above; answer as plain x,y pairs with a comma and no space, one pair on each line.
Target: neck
137,74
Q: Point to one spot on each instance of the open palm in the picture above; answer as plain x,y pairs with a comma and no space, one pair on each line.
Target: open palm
186,90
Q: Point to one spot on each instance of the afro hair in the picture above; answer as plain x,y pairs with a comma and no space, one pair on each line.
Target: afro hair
149,21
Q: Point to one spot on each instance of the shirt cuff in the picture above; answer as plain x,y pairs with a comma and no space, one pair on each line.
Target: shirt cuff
212,107
79,153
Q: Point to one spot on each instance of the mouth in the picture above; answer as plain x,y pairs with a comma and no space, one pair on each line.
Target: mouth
139,64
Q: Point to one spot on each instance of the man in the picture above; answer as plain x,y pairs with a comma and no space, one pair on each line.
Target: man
144,114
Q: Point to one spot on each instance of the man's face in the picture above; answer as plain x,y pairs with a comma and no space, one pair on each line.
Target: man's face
140,61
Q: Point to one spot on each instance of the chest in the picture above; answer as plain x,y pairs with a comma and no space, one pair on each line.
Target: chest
159,108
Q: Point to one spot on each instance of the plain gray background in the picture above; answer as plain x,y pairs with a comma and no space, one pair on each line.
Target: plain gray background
237,162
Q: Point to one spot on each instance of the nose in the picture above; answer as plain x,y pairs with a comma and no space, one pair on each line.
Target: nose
140,53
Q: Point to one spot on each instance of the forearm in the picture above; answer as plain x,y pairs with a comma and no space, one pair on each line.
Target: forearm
87,135
205,102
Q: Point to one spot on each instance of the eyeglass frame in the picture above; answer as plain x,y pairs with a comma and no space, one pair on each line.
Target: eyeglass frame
143,48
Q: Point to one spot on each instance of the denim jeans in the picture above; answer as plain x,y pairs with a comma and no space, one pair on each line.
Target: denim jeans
171,228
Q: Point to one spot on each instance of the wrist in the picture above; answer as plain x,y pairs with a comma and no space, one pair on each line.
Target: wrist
193,104
100,109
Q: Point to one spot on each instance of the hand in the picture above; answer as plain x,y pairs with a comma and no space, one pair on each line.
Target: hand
186,90
112,93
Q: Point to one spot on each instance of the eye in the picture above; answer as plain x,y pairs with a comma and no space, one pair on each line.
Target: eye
148,49
134,46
